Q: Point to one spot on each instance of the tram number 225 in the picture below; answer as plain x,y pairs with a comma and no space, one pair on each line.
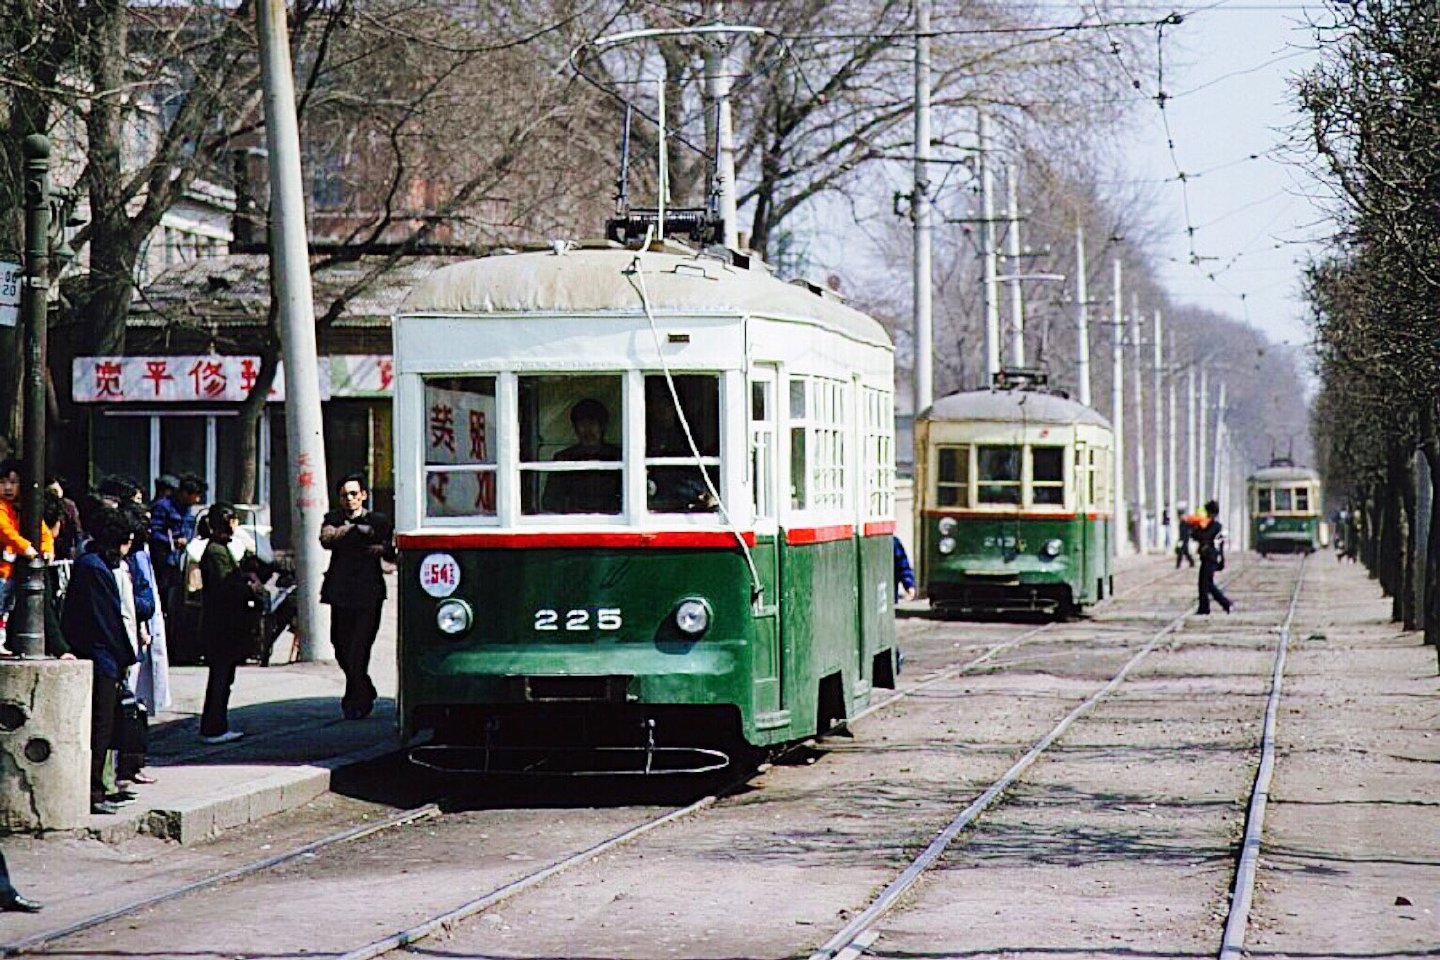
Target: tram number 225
605,618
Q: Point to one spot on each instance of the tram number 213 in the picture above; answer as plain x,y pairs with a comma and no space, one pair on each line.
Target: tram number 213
605,618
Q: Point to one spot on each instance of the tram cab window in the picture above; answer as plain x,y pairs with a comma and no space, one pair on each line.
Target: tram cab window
673,481
998,470
1047,476
1302,500
1264,503
460,447
570,435
952,476
1282,500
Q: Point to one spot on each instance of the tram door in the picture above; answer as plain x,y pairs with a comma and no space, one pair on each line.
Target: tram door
769,658
1084,486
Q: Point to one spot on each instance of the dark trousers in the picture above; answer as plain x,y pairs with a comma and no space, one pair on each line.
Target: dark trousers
352,634
104,710
1208,588
7,888
1182,552
214,719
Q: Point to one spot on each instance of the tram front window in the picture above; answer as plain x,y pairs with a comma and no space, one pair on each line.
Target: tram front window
673,480
460,447
952,481
1282,500
1264,502
999,474
1302,500
570,436
1047,476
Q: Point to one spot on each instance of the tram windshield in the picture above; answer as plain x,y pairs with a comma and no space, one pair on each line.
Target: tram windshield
673,481
1047,476
1282,500
460,447
999,474
571,428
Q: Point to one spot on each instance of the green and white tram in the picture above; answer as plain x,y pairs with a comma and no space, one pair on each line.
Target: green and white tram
644,506
1285,506
1013,501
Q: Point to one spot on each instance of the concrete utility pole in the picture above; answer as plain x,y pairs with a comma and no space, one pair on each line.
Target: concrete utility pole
1082,320
1012,242
289,257
1220,426
1117,414
1142,538
1172,478
717,64
988,252
1202,437
1161,505
920,206
1192,475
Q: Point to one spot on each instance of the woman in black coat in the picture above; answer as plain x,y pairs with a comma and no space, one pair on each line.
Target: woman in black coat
229,617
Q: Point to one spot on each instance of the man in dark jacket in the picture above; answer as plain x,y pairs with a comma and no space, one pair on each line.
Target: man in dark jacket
1211,542
358,539
95,629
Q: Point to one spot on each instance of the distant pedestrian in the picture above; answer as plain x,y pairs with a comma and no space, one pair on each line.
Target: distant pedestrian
904,573
1211,540
12,543
358,540
1182,544
10,899
94,626
71,533
172,526
230,607
148,681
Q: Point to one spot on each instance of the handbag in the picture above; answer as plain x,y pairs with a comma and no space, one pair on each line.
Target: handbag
134,736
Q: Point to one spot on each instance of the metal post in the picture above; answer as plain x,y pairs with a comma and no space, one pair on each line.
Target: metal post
304,426
1219,425
718,66
1172,477
1082,320
28,632
1141,506
1202,475
988,252
1161,506
1012,242
1117,413
924,384
1192,476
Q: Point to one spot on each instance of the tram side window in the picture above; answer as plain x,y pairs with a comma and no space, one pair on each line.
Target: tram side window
1264,503
1047,476
799,459
952,477
1282,500
570,434
762,447
998,470
674,483
460,447
1302,500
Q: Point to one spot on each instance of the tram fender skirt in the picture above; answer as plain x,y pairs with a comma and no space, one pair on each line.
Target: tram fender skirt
884,669
830,702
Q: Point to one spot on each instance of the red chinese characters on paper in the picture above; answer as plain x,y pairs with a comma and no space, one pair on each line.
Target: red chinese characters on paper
209,379
157,372
386,366
442,426
438,487
107,380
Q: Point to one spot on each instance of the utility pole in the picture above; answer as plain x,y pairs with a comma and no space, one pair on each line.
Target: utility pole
1117,413
924,384
1142,538
1172,478
1203,475
1219,425
289,257
988,252
717,64
1082,320
1161,506
1192,478
1012,239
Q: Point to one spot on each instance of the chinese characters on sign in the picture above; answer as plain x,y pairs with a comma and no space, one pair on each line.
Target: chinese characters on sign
177,379
458,434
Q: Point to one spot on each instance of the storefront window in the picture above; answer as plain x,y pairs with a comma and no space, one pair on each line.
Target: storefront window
460,447
571,431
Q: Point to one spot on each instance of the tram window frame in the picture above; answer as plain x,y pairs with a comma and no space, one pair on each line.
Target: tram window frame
666,465
818,443
1284,500
456,462
1302,499
763,448
957,486
1264,502
536,420
987,486
1047,486
879,452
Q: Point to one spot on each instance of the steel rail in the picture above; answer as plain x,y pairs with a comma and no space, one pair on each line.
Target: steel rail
46,937
1232,943
850,935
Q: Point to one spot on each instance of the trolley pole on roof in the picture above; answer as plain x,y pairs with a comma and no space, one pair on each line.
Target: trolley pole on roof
290,263
1082,320
924,384
988,252
1117,415
1142,539
1158,533
717,64
1012,245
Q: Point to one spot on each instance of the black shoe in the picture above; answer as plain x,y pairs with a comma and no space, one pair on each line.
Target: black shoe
104,807
18,904
122,796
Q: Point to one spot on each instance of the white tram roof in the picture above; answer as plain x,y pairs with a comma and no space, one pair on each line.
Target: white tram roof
598,281
1284,475
1007,406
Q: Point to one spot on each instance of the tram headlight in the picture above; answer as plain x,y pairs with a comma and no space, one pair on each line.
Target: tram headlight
454,617
692,616
946,526
1052,549
946,545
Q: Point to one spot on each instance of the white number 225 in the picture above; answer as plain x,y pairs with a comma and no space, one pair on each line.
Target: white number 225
606,618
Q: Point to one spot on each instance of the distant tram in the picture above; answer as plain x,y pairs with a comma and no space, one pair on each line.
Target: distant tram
1013,501
1285,507
645,510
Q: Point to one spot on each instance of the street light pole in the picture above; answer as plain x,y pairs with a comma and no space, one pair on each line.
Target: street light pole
924,383
1082,320
29,632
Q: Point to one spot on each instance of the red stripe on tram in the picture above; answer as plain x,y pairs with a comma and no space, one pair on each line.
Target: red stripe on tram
840,531
879,528
708,539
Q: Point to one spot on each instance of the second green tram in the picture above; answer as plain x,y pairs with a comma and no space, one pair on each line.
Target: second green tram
1285,505
1013,502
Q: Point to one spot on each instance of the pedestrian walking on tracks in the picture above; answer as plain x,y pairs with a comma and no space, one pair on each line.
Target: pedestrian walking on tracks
10,898
230,609
1209,535
1182,544
358,540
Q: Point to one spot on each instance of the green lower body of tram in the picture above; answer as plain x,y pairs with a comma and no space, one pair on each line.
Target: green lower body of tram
579,648
1003,565
1285,534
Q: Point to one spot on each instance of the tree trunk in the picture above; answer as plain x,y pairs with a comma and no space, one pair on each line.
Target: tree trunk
1430,448
1404,473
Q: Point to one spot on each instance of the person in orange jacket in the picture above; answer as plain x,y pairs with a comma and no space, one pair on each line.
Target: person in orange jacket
14,545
